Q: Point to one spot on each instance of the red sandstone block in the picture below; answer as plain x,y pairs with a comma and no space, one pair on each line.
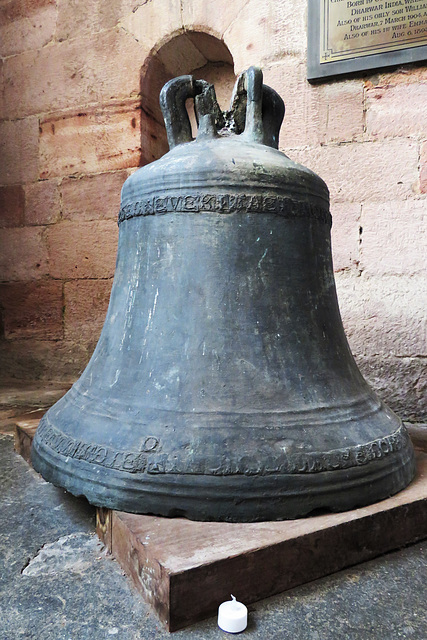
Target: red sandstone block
384,315
289,79
99,139
82,249
86,303
42,360
42,202
423,173
179,55
402,75
263,33
151,25
363,172
32,310
339,111
205,16
345,235
16,9
23,254
396,111
401,382
2,91
222,76
212,48
153,133
153,140
394,237
395,316
19,151
11,206
26,25
92,197
315,114
90,16
69,74
153,77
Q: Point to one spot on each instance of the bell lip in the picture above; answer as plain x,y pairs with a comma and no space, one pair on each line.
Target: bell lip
380,433
246,499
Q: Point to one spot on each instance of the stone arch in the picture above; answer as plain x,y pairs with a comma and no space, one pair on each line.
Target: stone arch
191,52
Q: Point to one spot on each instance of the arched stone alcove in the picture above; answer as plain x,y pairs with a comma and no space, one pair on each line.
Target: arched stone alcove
192,52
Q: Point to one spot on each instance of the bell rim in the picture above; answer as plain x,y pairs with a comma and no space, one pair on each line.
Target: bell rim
247,498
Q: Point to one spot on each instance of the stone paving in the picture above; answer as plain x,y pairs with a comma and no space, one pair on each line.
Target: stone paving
57,583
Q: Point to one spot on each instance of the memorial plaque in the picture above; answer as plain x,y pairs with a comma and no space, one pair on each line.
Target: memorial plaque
354,35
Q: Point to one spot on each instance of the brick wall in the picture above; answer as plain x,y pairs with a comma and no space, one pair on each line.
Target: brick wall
79,113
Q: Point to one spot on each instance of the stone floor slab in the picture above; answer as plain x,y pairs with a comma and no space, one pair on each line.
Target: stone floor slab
383,599
183,569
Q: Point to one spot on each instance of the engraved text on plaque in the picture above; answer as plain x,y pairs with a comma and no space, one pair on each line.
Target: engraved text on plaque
366,33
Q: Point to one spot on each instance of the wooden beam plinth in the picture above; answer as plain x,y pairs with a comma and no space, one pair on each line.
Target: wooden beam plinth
185,569
25,428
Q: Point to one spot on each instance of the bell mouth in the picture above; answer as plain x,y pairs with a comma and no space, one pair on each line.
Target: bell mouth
209,486
234,498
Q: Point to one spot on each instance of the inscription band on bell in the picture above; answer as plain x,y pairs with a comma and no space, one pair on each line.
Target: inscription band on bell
290,463
225,203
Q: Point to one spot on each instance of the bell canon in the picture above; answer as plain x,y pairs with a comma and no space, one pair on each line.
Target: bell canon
222,386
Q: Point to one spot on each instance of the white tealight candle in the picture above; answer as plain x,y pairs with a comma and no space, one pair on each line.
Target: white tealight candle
232,616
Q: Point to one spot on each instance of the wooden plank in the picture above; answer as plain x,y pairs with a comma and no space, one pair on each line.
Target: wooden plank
25,428
418,435
186,569
103,527
148,574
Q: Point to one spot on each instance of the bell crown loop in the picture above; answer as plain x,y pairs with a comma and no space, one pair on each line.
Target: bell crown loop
256,111
232,148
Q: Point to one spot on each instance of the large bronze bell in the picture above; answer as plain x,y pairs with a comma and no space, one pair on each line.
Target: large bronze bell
222,386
